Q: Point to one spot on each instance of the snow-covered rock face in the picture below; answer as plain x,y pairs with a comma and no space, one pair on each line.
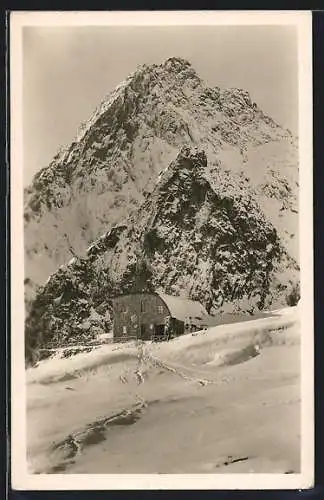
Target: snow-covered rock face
118,155
199,233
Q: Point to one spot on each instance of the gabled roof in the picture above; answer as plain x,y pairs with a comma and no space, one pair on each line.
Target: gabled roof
184,309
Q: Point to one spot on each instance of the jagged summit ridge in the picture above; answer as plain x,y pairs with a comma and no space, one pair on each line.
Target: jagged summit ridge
139,81
176,62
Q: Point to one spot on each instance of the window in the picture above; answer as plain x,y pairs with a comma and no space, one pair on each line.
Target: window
123,309
160,309
124,330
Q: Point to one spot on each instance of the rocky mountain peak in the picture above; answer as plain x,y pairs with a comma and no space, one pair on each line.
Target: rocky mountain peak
192,155
142,134
190,161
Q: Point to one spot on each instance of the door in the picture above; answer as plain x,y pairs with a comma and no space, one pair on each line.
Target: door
159,331
144,332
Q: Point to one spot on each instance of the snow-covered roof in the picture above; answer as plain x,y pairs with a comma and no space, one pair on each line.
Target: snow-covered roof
182,308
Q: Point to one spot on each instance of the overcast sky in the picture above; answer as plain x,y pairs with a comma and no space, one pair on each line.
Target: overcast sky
68,71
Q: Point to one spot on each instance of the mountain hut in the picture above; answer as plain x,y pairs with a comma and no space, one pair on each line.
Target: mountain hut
156,315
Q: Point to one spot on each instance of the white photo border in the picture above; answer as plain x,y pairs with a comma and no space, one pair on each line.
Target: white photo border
20,478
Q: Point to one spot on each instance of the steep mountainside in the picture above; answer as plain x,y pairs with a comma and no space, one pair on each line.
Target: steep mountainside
200,233
115,160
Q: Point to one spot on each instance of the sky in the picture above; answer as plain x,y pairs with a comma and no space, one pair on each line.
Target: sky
67,72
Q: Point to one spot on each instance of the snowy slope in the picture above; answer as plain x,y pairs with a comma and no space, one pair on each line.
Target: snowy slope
202,416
